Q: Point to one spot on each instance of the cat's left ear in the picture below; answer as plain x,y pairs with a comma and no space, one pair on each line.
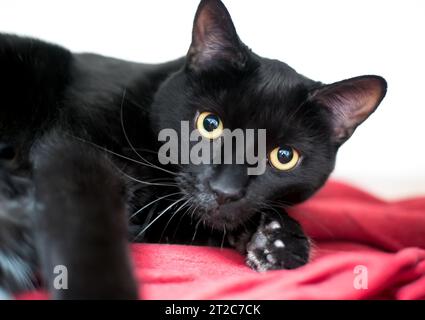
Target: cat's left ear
350,103
215,43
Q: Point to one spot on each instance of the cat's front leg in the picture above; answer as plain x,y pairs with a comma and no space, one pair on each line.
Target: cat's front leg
278,242
17,253
81,222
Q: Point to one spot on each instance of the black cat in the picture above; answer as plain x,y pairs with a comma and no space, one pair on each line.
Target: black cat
79,156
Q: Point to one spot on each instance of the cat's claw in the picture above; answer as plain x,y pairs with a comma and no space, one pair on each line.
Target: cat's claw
274,247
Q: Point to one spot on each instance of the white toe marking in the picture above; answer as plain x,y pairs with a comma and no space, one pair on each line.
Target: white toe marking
279,244
270,258
260,240
260,267
274,225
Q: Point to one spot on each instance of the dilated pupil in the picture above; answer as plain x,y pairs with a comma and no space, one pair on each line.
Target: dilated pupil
285,155
211,123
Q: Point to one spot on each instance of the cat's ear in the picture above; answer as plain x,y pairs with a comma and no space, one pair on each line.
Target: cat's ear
215,42
350,102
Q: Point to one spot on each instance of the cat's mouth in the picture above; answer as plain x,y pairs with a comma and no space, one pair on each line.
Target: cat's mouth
227,216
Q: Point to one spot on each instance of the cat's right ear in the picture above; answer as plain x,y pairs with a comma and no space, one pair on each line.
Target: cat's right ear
215,43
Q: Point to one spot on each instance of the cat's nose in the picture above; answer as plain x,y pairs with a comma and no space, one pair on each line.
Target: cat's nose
225,194
229,185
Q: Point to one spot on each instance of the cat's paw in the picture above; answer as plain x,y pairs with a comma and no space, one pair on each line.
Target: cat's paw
275,246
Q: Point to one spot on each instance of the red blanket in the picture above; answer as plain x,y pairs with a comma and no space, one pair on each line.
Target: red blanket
365,248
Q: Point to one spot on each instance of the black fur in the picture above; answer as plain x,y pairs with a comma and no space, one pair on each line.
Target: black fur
78,155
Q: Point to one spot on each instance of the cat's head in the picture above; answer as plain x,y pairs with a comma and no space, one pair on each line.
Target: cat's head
225,85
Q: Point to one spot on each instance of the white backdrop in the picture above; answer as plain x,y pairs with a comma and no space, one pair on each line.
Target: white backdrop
327,40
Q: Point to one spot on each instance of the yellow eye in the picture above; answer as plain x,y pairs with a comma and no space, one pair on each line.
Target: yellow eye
284,158
209,125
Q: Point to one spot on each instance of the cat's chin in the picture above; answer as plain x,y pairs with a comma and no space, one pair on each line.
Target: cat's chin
226,217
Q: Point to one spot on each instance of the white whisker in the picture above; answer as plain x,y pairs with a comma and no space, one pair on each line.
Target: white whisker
159,216
224,236
172,216
146,182
196,230
129,142
120,155
152,202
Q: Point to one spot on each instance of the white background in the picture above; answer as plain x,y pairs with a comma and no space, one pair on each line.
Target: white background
325,40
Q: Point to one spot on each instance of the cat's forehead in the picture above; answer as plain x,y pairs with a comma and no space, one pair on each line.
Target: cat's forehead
268,96
271,82
278,79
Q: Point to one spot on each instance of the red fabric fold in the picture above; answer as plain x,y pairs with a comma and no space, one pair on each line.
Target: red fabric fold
350,228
